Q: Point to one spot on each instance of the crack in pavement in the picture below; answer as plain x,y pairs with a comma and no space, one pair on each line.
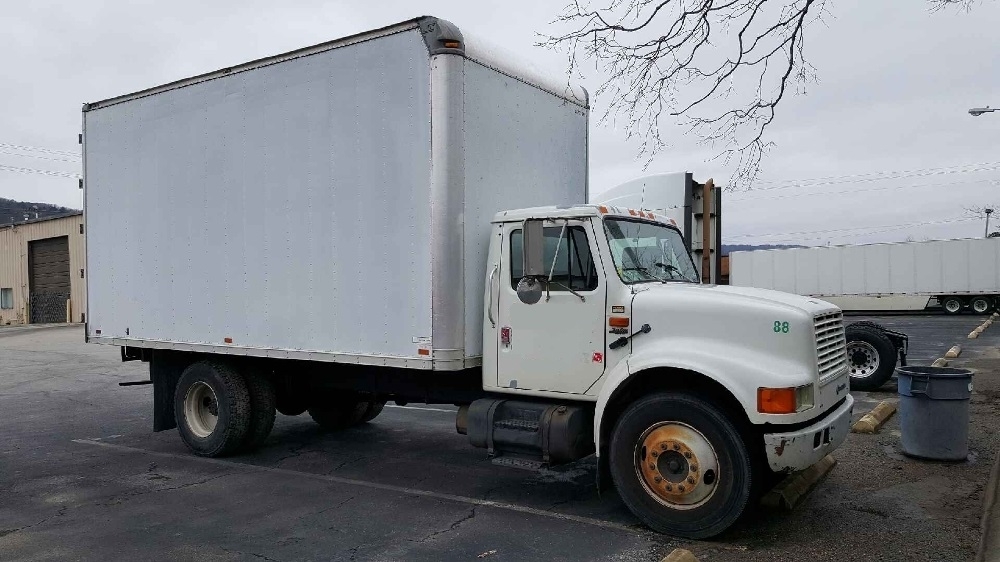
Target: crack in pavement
452,527
116,500
254,554
60,513
332,507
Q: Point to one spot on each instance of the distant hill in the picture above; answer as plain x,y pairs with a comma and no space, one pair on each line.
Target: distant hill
12,212
726,248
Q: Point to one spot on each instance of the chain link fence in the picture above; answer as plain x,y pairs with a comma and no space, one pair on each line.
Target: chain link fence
48,307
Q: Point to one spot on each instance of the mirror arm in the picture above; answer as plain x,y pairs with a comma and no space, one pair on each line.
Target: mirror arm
548,296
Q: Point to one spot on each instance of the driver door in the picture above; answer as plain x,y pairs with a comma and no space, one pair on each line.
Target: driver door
558,343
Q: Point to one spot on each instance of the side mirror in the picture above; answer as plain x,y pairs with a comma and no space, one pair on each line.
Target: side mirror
529,288
533,243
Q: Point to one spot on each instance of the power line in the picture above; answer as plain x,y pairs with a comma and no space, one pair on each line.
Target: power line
865,190
25,148
881,176
40,172
39,156
850,231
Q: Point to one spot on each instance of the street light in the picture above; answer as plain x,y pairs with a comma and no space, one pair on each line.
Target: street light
977,111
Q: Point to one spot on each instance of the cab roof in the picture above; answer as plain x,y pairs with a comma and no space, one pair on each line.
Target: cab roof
578,211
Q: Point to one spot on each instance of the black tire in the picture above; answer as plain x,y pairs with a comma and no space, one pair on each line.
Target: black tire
981,305
290,401
374,409
262,400
226,394
868,323
871,357
732,481
342,410
951,305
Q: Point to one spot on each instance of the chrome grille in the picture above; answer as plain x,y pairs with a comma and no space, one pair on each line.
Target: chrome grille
831,345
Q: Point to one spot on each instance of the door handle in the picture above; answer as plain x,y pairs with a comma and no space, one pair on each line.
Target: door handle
489,309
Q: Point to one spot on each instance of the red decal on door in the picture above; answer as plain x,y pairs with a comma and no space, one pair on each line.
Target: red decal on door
598,357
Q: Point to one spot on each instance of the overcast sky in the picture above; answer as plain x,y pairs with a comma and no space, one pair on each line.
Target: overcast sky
896,81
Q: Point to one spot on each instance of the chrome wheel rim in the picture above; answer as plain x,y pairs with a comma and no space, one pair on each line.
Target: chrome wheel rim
862,358
952,305
201,409
980,305
676,465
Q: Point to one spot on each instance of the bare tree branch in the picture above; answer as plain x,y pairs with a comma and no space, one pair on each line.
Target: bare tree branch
678,60
967,5
719,68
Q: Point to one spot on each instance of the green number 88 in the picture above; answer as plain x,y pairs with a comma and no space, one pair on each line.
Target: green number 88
781,327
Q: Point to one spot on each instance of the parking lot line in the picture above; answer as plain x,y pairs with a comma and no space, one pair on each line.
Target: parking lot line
420,408
376,486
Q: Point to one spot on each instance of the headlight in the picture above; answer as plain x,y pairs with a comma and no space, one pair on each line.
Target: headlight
784,400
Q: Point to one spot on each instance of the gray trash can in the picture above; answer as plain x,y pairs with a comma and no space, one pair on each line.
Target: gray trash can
934,412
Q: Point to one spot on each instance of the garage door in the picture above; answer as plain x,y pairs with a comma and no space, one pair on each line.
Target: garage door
48,279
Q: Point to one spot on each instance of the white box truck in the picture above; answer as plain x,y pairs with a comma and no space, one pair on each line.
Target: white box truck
400,216
961,274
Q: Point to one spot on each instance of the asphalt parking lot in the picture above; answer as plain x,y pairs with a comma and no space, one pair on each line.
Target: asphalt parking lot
82,477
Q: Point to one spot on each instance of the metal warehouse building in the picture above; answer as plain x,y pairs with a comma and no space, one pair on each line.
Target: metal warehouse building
42,271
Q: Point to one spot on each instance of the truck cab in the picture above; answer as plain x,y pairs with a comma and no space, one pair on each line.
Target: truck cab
695,391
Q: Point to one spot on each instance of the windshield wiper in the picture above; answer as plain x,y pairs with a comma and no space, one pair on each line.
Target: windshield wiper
647,272
671,269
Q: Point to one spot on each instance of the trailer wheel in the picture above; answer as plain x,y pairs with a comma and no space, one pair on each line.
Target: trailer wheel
951,305
346,410
981,305
213,409
262,400
680,465
871,357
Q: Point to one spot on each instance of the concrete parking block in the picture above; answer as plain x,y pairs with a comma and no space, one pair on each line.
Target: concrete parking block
792,490
680,555
954,352
940,362
872,421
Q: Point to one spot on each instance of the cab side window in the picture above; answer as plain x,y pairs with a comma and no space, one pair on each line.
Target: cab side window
574,264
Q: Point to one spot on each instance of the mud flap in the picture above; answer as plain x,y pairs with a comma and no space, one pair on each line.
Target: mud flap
164,370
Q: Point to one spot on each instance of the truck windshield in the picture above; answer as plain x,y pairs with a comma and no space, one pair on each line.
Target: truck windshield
648,252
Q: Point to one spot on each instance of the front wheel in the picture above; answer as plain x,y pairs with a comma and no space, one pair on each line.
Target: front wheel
871,357
680,465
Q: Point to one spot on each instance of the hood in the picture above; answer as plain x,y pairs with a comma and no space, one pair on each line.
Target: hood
811,305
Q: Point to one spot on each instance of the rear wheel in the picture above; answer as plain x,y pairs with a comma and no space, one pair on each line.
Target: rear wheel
680,465
871,357
213,408
346,410
981,305
262,399
951,305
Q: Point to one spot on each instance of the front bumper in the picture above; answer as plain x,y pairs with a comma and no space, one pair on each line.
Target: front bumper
797,450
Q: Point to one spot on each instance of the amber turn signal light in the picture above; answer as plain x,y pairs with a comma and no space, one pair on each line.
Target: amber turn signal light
776,400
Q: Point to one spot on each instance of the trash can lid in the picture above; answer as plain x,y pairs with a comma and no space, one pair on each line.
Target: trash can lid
934,372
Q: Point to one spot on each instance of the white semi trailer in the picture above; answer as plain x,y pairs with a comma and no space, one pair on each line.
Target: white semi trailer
399,216
960,274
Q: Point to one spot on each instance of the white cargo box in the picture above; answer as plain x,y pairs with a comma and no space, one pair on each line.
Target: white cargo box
937,267
331,203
